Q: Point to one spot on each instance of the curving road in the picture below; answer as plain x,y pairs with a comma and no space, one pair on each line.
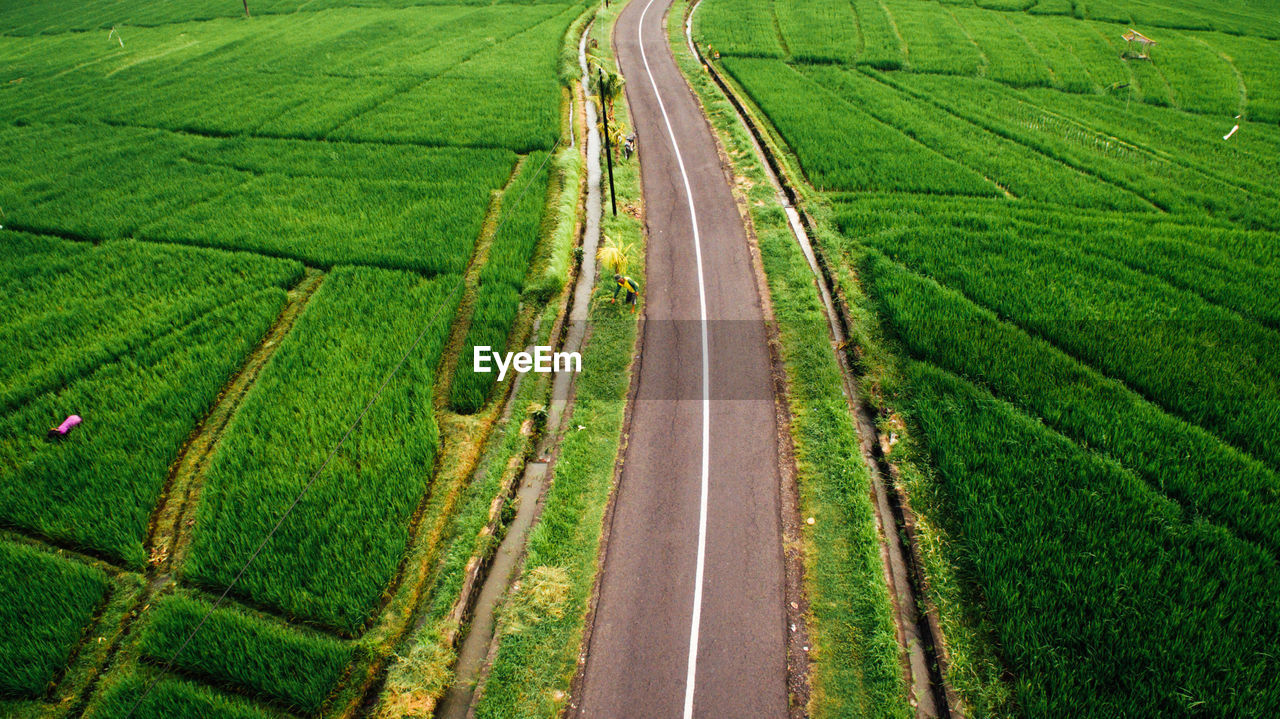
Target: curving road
690,620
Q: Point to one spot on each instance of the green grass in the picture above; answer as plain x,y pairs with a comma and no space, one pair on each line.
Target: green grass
1079,374
98,182
1197,360
125,699
502,280
332,560
1020,43
244,651
818,30
49,601
740,27
326,221
505,96
840,146
882,47
1087,572
497,304
95,489
68,310
1009,58
936,42
324,203
1021,170
1160,175
939,325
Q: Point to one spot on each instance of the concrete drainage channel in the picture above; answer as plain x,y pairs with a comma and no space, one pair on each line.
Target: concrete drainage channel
918,630
479,641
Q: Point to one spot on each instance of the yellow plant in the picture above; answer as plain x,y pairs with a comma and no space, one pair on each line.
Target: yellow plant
615,255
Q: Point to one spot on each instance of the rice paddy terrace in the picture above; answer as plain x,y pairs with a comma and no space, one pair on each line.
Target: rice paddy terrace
1070,253
212,225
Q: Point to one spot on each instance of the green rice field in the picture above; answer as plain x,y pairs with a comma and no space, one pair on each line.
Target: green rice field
1071,282
218,233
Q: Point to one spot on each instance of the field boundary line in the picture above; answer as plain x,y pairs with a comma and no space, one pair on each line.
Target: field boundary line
17,535
902,41
1243,107
254,135
226,18
857,18
777,28
1089,365
1066,44
986,61
1053,76
892,128
22,535
410,87
465,312
979,121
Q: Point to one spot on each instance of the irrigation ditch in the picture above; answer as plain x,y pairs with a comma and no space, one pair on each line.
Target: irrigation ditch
487,584
923,651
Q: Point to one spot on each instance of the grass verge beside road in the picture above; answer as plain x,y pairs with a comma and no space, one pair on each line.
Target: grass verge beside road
855,669
543,619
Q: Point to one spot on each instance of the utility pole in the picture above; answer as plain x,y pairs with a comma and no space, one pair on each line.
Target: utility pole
608,153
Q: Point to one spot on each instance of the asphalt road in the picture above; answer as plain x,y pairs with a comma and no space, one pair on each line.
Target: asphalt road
639,658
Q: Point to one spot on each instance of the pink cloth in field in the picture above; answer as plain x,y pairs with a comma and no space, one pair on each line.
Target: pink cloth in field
67,424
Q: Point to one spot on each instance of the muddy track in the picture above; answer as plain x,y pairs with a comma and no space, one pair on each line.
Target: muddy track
923,650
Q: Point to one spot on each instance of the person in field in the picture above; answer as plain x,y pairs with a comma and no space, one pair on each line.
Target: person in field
628,284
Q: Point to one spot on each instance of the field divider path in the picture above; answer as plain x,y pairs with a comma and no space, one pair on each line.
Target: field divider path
985,125
919,632
170,534
172,521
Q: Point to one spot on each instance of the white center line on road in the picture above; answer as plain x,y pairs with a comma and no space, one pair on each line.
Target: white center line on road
706,386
